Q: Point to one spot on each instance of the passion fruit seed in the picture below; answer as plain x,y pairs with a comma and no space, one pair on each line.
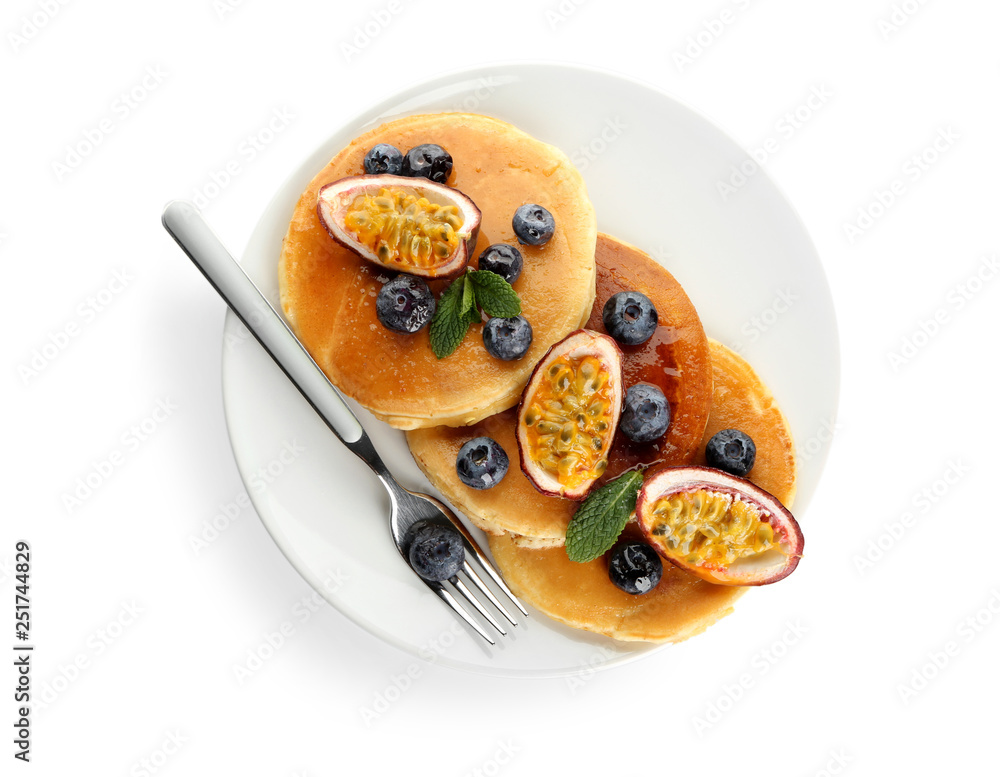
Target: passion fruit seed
568,419
403,229
711,527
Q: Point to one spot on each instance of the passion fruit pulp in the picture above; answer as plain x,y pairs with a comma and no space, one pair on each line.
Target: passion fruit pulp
569,414
412,225
718,527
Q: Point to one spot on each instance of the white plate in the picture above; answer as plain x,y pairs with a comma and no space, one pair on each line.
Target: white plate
652,167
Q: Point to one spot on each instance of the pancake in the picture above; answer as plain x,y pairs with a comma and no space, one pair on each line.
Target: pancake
741,401
328,292
682,605
676,358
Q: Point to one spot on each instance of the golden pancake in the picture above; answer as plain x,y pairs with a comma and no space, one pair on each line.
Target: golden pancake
328,292
682,605
741,401
676,358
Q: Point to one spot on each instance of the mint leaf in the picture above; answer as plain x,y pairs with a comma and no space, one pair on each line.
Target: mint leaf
600,519
468,296
494,295
449,324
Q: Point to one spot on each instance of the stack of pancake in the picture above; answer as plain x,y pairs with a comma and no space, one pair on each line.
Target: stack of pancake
328,294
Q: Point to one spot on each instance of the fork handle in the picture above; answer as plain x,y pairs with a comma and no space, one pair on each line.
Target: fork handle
185,224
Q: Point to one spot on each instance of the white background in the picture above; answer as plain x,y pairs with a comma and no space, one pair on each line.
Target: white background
865,662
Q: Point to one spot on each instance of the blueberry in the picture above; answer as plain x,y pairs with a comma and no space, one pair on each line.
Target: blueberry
645,413
436,552
507,338
533,225
635,567
506,261
481,463
427,161
383,159
630,317
405,304
731,451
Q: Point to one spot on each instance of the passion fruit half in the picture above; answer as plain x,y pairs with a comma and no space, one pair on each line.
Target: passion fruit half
412,225
719,527
569,414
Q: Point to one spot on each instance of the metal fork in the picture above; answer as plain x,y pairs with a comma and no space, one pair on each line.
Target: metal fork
185,224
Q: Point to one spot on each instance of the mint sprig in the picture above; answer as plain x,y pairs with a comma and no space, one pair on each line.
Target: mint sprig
600,519
460,303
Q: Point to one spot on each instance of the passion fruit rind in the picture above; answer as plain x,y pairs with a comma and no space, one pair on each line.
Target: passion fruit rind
411,225
568,414
719,527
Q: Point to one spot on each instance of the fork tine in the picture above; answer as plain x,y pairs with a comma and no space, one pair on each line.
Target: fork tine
485,564
471,599
452,602
478,581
